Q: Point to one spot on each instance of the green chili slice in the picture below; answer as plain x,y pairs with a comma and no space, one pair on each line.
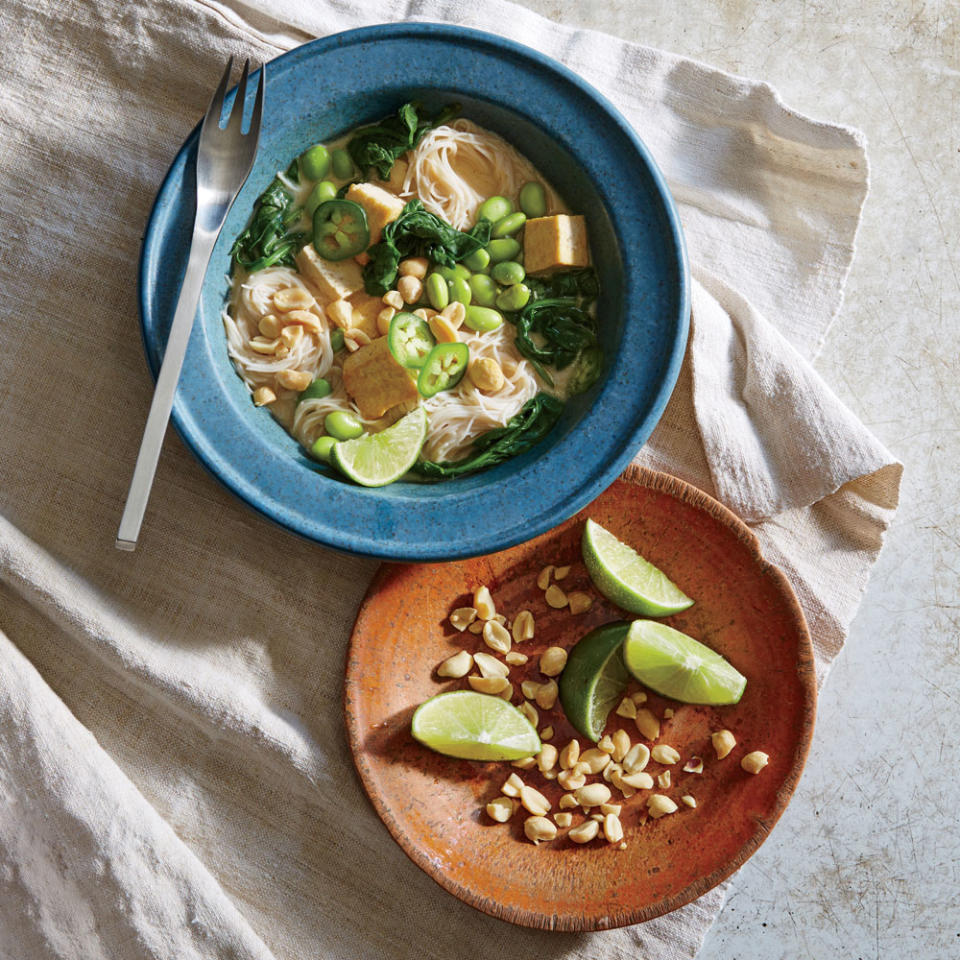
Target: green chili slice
443,368
410,340
340,229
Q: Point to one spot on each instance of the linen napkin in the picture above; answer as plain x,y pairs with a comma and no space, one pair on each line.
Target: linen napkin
175,780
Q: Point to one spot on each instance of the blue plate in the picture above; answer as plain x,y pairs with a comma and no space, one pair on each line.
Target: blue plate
596,161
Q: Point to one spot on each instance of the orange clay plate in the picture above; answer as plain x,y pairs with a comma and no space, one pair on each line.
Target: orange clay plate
434,805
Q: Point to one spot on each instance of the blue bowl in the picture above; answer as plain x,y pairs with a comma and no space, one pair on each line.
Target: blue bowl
583,146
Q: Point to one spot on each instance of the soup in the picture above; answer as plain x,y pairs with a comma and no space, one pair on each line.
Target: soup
415,273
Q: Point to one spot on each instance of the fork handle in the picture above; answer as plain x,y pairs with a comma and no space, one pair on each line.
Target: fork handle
139,492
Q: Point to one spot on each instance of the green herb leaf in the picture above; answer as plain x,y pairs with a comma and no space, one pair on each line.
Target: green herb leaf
268,238
418,233
381,144
580,285
529,426
565,329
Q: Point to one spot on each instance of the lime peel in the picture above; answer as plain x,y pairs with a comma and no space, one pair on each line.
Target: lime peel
626,578
376,459
474,726
594,679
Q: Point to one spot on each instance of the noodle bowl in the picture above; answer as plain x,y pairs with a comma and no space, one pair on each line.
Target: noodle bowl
453,170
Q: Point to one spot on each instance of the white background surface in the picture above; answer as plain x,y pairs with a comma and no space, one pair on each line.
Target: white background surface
866,861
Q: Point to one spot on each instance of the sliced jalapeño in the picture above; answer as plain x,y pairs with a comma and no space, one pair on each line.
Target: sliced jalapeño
340,229
443,368
410,340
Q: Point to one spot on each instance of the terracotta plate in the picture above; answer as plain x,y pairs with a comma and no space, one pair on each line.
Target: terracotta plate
433,805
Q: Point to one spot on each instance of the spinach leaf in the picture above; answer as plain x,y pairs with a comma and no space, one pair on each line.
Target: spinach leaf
581,285
417,232
529,426
565,328
268,239
381,144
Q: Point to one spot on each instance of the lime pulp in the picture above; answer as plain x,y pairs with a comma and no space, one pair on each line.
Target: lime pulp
625,578
376,459
474,726
677,666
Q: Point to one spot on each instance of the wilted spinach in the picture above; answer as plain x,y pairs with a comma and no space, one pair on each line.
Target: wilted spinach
565,329
529,426
381,144
418,233
580,285
268,239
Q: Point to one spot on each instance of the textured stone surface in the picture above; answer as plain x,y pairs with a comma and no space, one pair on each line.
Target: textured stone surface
866,861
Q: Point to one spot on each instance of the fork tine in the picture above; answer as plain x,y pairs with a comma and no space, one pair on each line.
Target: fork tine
257,115
215,110
240,100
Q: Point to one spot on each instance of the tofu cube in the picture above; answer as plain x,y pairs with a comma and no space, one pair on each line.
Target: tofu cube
376,381
557,241
334,279
381,207
366,309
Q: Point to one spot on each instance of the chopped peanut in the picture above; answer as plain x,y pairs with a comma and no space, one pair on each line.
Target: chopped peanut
462,617
539,829
262,396
552,661
647,724
755,761
486,374
456,666
523,626
579,602
410,288
723,742
294,379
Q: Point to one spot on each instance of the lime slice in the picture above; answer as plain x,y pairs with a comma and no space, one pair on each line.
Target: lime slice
376,459
474,726
679,667
624,577
594,679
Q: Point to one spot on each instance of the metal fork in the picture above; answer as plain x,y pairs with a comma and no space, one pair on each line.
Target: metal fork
224,160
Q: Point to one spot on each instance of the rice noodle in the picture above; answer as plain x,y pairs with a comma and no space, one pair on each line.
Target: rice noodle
455,167
452,170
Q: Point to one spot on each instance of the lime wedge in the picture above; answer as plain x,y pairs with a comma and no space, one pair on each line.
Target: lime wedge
474,726
376,459
624,577
594,678
679,667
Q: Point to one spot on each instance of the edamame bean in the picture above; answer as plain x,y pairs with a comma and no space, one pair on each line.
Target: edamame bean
533,199
437,291
494,209
504,249
323,447
342,164
321,193
508,226
315,162
483,319
317,390
514,298
484,290
478,261
460,291
508,273
342,425
451,273
337,340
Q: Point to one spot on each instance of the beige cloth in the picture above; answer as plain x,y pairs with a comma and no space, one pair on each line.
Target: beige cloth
217,813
